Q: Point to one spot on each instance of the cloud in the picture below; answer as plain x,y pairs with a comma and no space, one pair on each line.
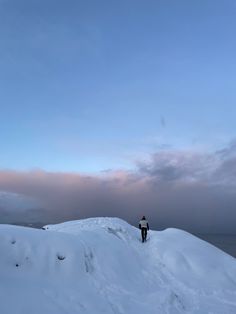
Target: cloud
229,151
179,166
184,189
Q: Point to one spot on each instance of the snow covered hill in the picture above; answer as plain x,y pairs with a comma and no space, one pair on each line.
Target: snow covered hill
99,266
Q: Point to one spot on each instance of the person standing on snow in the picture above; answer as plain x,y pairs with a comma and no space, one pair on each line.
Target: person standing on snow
144,227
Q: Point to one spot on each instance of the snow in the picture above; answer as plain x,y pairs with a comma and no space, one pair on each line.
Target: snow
99,265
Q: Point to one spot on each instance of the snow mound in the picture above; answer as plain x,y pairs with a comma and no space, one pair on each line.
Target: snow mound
99,265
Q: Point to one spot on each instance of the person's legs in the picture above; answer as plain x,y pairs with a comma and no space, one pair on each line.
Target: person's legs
143,234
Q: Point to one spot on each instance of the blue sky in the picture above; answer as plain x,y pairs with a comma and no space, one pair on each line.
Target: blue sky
92,85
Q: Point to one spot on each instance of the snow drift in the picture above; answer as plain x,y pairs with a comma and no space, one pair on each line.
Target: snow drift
99,265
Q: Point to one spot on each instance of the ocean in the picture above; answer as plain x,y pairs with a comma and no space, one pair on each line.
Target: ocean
224,242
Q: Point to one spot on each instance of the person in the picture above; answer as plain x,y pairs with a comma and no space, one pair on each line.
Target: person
144,227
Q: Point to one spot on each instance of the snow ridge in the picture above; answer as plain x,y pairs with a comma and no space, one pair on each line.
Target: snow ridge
99,265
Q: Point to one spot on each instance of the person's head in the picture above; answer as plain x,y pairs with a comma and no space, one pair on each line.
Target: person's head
144,218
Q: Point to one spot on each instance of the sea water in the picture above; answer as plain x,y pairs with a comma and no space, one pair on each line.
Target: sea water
225,242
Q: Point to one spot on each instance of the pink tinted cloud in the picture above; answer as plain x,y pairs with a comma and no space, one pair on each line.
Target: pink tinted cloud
174,189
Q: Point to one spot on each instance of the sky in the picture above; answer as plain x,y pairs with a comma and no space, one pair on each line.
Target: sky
113,91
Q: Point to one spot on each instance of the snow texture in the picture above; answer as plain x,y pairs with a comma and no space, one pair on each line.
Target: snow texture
99,266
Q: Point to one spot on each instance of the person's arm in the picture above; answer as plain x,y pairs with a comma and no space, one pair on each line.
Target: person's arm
147,226
139,226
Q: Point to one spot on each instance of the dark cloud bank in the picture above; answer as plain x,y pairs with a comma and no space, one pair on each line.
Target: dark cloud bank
182,189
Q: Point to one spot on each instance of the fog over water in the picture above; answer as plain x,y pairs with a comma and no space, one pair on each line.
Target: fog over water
183,189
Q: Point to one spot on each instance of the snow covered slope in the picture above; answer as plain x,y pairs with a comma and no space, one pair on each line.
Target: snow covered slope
99,265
